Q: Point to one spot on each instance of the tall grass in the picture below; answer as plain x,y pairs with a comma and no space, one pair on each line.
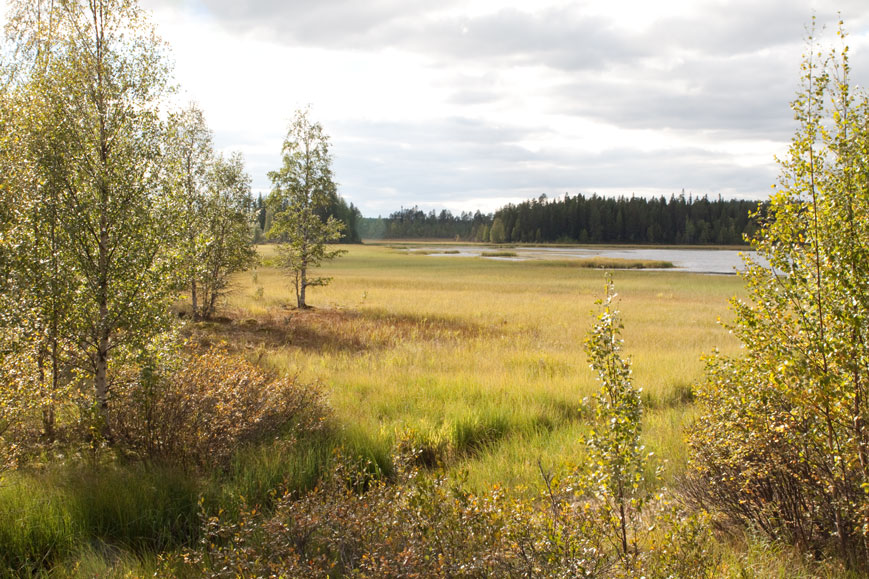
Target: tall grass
480,362
46,515
477,365
114,517
36,526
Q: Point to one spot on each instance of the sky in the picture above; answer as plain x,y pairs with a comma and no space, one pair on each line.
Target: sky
471,104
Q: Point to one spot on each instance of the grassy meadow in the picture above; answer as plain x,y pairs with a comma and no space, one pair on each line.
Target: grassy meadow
479,363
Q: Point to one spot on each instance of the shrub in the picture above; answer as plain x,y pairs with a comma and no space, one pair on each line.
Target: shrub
618,459
782,446
432,526
202,410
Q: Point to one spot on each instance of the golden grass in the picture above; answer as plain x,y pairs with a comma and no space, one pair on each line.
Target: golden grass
499,254
480,359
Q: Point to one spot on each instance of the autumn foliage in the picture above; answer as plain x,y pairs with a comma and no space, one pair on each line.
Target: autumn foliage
783,446
204,409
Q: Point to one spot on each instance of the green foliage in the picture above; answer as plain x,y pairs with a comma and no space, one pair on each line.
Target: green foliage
782,446
302,190
212,209
84,97
348,214
614,450
497,233
111,204
225,246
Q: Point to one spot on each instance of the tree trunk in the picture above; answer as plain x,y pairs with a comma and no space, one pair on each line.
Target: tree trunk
193,298
303,284
101,383
212,304
47,404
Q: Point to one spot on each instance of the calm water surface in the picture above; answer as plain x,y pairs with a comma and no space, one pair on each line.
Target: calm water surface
716,261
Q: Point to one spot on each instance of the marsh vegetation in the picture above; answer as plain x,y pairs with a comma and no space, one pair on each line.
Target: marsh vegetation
477,365
166,410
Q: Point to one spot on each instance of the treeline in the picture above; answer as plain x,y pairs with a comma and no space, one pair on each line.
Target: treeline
347,213
580,219
598,219
416,223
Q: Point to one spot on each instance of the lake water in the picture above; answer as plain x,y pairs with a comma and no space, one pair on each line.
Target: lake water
713,261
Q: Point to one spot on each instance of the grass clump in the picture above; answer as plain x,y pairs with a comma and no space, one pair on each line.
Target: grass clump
499,254
142,508
475,432
36,526
609,263
45,516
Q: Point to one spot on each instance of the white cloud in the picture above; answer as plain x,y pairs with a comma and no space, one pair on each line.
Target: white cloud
469,104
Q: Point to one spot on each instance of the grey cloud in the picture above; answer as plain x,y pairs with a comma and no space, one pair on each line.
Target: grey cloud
467,160
473,97
740,27
563,39
731,72
333,23
746,97
734,28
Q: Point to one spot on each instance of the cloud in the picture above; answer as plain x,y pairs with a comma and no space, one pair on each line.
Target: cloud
330,24
746,96
473,100
446,164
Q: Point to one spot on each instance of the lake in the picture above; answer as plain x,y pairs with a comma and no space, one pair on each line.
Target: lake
712,261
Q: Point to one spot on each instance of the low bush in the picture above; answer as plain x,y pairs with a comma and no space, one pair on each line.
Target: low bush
421,525
201,412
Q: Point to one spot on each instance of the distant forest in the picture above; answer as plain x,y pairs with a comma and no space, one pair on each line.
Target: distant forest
579,219
337,208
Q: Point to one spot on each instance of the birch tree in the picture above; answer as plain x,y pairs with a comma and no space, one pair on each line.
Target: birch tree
226,235
190,151
301,191
98,75
783,445
212,211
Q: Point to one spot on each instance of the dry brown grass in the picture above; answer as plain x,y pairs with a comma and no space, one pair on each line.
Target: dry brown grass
330,330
